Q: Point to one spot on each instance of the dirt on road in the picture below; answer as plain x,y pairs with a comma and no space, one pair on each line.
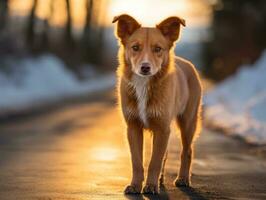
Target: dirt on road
79,152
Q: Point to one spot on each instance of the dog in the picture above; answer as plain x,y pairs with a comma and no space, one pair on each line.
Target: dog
155,88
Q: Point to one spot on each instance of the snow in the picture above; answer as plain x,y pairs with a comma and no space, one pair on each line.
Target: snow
36,81
238,104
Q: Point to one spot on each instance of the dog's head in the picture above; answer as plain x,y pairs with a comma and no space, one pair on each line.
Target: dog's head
147,49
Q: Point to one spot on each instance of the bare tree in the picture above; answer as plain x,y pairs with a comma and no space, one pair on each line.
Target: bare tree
3,13
92,33
30,35
87,26
45,43
68,32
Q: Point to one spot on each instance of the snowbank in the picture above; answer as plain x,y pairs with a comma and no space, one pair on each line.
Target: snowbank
35,81
238,105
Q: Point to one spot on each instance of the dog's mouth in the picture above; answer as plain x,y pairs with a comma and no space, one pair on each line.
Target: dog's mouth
145,73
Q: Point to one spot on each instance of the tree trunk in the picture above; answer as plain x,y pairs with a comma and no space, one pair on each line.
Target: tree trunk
30,35
87,27
68,31
3,13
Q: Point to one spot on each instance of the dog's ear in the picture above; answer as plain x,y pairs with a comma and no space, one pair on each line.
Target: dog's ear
170,27
125,27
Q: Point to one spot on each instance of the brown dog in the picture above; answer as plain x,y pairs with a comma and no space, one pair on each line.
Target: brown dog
155,88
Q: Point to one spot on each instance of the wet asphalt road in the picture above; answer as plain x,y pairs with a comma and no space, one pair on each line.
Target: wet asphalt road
79,152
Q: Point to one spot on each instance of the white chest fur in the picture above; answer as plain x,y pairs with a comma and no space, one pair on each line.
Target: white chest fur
141,87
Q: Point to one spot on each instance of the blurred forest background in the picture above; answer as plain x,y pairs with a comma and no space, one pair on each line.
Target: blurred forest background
237,36
236,33
49,26
48,48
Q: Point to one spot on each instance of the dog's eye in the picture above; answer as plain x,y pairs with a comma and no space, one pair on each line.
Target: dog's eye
136,48
157,49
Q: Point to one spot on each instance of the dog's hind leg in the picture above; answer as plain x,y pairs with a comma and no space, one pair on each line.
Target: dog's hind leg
161,180
189,123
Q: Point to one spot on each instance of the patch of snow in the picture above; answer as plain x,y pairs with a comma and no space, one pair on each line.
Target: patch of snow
238,104
34,81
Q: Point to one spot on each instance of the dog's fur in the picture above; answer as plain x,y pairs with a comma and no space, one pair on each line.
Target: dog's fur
171,91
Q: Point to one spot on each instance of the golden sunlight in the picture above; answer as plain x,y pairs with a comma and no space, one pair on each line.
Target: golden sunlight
151,12
105,153
148,12
44,10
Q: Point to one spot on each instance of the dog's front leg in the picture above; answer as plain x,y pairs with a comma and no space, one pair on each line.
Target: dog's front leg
135,140
160,141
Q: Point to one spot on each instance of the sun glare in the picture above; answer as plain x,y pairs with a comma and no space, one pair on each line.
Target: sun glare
105,153
151,12
147,12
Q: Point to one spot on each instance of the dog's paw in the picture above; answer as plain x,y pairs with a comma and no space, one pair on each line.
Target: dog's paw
150,189
132,189
182,182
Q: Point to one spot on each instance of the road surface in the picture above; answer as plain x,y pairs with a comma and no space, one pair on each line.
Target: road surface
79,152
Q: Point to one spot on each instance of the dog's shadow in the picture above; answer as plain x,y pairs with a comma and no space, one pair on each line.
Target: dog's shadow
190,192
193,193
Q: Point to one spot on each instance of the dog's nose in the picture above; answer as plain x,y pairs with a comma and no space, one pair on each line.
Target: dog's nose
145,68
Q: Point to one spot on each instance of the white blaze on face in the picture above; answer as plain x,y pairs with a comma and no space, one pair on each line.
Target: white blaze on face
145,58
141,86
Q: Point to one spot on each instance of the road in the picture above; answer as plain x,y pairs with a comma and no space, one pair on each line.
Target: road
78,151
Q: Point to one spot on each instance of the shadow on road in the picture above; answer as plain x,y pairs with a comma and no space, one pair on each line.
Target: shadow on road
190,192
